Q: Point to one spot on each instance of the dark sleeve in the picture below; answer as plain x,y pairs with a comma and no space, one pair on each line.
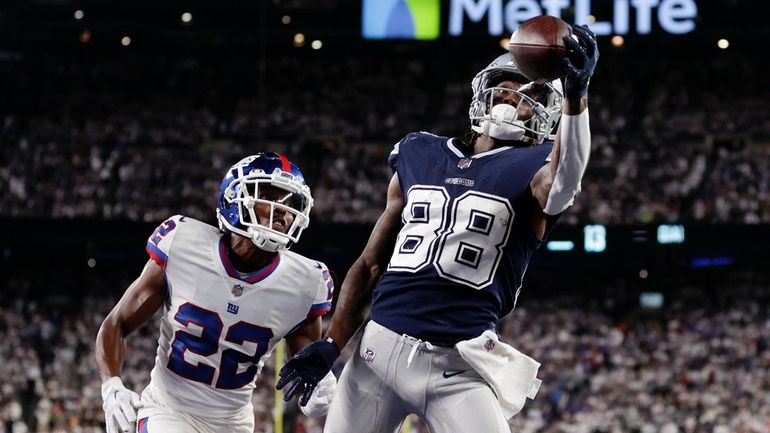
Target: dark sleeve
393,157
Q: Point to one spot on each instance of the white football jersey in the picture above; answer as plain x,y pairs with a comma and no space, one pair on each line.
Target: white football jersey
219,326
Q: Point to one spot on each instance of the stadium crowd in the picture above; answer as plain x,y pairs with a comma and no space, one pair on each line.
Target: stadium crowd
690,367
141,136
97,140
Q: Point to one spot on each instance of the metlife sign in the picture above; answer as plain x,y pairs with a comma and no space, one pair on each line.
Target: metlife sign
673,16
420,19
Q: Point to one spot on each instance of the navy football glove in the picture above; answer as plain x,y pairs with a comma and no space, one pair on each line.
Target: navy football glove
582,55
307,367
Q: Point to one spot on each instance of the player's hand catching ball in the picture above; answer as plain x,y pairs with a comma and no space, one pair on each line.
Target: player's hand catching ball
120,406
307,367
582,55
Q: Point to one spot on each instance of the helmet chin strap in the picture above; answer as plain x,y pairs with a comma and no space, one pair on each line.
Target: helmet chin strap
264,241
256,237
502,124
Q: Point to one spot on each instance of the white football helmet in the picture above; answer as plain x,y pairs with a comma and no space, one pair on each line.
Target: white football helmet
501,121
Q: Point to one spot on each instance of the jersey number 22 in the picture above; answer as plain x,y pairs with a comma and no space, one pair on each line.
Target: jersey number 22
207,344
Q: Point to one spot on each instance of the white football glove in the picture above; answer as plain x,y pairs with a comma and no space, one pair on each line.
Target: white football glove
319,402
120,405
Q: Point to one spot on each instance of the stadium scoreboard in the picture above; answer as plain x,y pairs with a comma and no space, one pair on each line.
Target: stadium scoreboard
595,237
656,246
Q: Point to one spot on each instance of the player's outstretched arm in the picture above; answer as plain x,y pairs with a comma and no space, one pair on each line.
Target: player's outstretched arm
306,368
556,184
356,291
138,304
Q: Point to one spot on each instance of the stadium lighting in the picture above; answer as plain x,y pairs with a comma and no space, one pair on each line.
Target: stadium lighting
595,238
705,262
316,44
617,41
670,234
85,37
126,41
186,17
651,300
286,19
79,14
299,40
560,246
723,43
643,273
92,263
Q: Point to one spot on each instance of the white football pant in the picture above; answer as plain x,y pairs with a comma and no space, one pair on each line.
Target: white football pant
391,376
156,417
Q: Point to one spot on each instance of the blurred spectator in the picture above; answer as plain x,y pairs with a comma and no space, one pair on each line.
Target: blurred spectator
95,141
692,367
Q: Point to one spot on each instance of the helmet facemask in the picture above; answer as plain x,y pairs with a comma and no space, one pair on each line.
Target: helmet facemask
503,121
273,197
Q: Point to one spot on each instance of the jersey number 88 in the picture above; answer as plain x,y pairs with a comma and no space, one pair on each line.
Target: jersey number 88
462,238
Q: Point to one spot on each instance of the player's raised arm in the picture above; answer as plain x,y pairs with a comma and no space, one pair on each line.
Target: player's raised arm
556,184
312,363
140,301
579,65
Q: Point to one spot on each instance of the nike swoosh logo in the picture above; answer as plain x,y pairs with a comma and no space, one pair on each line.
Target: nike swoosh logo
447,375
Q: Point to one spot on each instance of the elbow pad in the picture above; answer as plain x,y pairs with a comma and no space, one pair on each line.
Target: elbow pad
573,159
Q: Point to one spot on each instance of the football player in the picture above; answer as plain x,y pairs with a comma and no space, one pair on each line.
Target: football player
446,259
228,295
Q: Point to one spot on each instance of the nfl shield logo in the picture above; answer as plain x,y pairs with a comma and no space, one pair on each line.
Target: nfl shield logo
464,163
489,345
237,290
369,355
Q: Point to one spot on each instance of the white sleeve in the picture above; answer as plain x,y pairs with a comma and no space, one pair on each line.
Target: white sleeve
322,303
159,242
573,160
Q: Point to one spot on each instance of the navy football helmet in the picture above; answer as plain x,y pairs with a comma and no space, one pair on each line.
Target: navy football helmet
501,121
254,180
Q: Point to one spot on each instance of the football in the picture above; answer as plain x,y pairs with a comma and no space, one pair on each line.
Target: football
537,47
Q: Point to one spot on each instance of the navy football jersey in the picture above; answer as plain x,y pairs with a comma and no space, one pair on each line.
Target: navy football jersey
465,241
